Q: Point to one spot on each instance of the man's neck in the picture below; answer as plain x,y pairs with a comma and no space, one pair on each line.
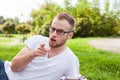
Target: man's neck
56,50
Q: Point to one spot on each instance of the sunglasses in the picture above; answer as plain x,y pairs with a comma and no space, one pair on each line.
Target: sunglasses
58,31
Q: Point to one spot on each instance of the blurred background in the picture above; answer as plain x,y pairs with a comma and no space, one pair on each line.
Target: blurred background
93,17
96,20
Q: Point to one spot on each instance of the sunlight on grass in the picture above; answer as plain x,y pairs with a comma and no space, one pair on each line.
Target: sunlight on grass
95,64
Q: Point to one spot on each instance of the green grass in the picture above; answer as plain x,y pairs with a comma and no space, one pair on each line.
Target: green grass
95,64
11,35
7,51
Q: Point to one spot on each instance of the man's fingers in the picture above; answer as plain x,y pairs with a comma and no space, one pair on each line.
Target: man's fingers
46,49
41,52
42,45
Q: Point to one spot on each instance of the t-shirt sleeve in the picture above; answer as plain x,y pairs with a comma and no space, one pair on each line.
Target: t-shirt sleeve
73,69
32,42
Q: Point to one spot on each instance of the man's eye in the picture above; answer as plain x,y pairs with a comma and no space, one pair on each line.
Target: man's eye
60,31
53,29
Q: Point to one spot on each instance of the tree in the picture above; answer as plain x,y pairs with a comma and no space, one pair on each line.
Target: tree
8,28
89,19
2,20
116,8
23,29
95,4
43,17
16,21
107,4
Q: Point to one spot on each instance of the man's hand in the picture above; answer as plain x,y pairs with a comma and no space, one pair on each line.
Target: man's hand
41,50
25,56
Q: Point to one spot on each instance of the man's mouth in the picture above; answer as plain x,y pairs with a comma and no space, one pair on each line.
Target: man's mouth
53,40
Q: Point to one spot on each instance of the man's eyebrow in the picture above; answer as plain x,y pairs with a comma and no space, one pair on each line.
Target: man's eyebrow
57,29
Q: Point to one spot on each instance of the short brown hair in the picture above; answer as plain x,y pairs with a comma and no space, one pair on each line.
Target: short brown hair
66,16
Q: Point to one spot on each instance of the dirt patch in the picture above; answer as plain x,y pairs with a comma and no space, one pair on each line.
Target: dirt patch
111,44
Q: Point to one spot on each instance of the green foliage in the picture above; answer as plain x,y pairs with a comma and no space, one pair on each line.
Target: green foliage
2,20
90,22
8,27
43,17
105,26
45,29
23,28
89,19
0,28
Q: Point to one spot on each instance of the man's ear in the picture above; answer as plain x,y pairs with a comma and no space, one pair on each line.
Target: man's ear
70,35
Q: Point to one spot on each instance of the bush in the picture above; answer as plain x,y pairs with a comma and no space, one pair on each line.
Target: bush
45,29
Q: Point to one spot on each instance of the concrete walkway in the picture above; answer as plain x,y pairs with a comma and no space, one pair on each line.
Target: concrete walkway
111,44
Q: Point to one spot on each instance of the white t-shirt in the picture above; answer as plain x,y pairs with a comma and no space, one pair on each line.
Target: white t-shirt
44,68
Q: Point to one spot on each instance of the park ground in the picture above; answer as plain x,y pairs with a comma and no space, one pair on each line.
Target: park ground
110,44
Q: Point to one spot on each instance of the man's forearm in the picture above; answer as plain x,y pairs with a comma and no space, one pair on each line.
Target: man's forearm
22,59
19,63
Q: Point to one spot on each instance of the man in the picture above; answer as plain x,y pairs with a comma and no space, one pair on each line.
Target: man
45,58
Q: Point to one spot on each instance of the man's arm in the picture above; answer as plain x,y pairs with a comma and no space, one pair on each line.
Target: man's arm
25,56
21,60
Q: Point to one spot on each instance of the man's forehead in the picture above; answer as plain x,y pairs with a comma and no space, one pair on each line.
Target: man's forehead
62,22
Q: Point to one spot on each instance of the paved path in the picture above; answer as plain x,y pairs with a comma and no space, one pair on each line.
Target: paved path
111,44
14,42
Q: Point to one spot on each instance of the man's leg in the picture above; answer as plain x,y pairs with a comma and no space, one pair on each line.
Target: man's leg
3,75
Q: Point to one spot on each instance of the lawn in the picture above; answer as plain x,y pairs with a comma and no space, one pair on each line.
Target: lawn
95,64
7,50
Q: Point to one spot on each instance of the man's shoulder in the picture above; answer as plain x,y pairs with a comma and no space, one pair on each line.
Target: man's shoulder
70,54
38,36
35,40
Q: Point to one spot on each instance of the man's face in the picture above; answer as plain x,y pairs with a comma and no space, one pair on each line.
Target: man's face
59,32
